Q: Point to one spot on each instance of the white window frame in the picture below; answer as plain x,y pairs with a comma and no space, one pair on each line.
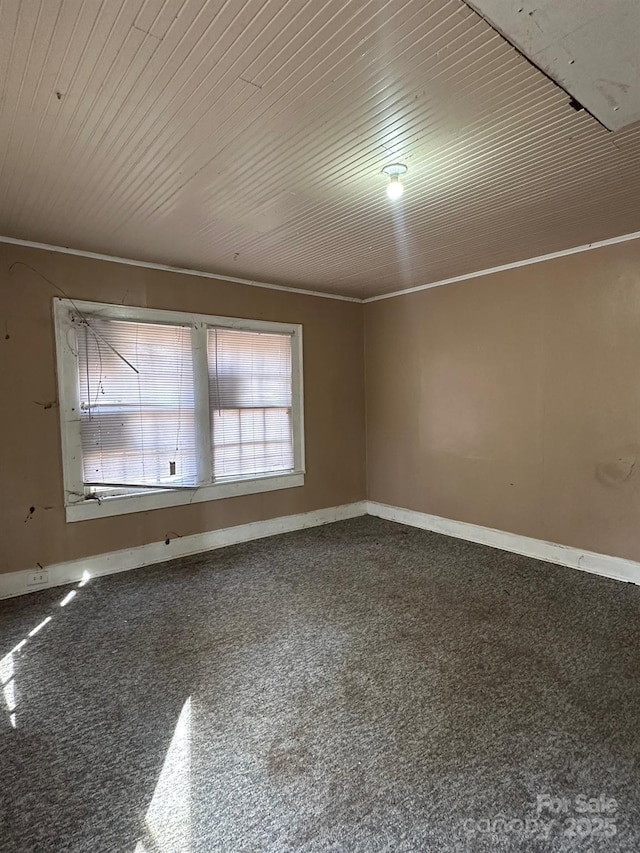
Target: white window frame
78,507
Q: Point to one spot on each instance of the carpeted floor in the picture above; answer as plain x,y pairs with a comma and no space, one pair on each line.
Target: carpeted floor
356,687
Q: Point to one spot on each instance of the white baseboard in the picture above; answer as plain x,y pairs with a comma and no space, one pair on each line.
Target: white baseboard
15,583
58,574
616,568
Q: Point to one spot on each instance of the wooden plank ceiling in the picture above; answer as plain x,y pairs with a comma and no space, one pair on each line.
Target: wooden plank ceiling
246,137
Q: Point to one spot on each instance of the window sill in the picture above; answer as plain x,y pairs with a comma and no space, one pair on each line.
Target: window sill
124,504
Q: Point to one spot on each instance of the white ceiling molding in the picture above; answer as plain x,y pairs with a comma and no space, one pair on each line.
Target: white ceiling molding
96,256
65,250
525,263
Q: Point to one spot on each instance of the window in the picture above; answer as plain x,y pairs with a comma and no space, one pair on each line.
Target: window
160,408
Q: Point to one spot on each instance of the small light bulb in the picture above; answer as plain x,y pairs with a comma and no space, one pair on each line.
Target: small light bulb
395,188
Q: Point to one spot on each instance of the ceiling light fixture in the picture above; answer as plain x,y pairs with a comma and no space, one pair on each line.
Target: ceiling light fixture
395,187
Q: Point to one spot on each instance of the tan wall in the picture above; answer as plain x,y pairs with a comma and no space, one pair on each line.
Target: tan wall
513,400
30,456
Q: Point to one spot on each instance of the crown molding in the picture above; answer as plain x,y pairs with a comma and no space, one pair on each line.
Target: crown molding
97,256
598,244
66,250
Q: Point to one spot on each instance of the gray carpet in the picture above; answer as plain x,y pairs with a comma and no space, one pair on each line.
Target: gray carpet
357,687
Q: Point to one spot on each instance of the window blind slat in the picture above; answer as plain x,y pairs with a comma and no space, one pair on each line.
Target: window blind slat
137,425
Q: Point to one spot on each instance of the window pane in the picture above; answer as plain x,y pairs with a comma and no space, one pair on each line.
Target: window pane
251,441
250,399
136,400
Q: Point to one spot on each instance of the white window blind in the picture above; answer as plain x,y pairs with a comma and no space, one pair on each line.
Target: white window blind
250,402
137,423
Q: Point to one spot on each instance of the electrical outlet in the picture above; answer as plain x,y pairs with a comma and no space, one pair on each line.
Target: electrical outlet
37,578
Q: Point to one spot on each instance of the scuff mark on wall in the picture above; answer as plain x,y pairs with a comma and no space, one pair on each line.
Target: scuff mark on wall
617,471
